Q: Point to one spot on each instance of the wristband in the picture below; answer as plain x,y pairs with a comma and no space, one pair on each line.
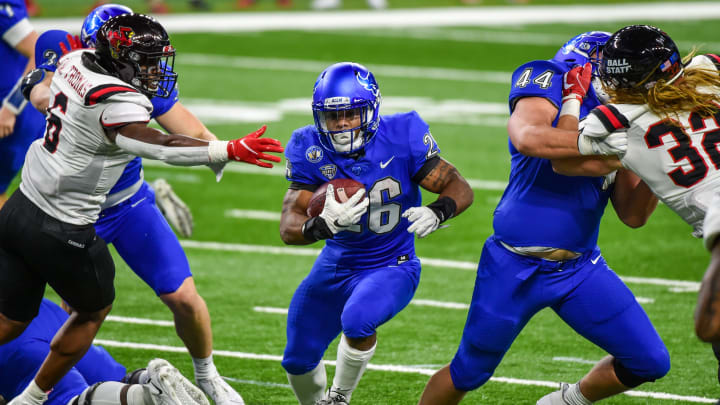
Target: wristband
315,229
570,106
15,102
30,80
217,151
444,208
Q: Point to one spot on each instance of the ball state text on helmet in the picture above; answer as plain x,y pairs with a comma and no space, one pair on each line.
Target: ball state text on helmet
618,66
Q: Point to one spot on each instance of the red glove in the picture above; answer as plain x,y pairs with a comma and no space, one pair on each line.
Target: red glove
576,82
74,42
250,149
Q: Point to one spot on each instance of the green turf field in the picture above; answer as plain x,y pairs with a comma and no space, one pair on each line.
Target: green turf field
274,72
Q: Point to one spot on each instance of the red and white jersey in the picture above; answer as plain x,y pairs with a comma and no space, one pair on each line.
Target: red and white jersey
69,172
680,163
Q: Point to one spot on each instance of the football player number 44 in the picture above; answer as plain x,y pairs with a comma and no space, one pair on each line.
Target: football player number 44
54,124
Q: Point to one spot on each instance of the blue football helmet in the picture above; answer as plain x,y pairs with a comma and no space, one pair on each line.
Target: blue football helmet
97,18
345,105
582,49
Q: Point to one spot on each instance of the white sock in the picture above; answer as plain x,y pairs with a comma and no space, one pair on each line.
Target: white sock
309,387
573,396
34,394
109,393
204,368
350,367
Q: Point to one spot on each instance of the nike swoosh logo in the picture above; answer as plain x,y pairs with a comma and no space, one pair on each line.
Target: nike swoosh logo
595,260
566,86
384,164
138,202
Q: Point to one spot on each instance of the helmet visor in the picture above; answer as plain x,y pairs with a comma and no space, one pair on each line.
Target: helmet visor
345,127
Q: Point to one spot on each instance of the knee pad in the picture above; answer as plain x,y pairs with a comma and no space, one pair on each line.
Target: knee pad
631,379
297,365
357,327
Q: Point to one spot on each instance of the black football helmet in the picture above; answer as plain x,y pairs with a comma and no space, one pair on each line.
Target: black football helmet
136,49
639,55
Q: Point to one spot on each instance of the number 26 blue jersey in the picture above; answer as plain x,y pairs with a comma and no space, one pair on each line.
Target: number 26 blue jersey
400,148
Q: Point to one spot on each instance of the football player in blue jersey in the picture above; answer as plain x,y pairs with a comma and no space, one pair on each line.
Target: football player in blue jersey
131,221
544,251
19,126
97,379
368,271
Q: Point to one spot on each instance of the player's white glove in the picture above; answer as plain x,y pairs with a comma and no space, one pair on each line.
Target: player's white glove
613,144
339,216
423,221
32,395
175,211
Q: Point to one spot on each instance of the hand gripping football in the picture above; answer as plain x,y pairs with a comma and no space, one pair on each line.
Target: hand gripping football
344,189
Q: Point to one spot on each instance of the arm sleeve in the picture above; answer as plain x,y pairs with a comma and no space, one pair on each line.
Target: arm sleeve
14,25
174,155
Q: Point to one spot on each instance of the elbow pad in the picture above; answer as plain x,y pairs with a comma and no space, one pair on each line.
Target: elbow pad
30,80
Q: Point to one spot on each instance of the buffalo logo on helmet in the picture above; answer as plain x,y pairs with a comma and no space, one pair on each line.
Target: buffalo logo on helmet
313,154
366,84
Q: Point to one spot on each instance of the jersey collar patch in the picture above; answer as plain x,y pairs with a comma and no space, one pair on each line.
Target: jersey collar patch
314,154
329,171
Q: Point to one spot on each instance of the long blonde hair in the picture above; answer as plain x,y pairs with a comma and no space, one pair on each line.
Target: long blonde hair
698,89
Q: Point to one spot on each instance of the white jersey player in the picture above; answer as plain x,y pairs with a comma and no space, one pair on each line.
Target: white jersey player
675,152
96,123
671,115
69,172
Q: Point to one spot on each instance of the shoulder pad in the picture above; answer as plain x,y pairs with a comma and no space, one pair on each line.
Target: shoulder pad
610,117
299,141
541,65
710,57
100,93
540,78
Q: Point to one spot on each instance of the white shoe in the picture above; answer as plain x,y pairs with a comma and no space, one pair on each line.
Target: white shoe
171,387
555,397
175,211
325,4
333,398
219,391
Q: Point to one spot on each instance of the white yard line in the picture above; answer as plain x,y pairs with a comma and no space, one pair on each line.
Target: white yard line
314,67
438,17
271,310
139,321
418,302
392,368
574,360
675,285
